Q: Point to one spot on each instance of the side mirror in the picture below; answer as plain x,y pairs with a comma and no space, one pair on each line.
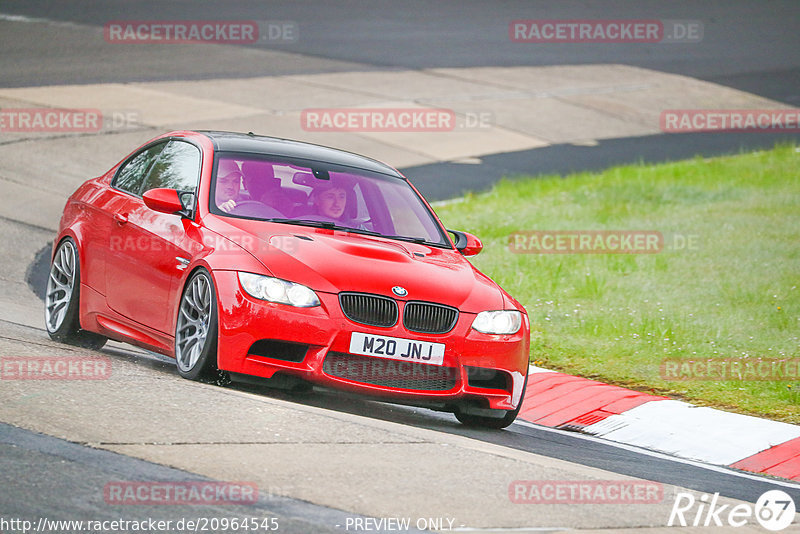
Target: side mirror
166,201
466,243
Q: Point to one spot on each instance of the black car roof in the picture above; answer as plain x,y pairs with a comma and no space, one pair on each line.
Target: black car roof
261,144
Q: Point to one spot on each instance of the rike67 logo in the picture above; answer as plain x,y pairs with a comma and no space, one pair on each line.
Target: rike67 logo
774,510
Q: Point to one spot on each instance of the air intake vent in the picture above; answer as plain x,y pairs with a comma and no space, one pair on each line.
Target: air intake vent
480,377
279,350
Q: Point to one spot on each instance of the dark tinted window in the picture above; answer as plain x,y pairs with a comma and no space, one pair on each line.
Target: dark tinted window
132,173
178,167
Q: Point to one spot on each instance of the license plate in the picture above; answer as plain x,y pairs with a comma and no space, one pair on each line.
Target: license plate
396,348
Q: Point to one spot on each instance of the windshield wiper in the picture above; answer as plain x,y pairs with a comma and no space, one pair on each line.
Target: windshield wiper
365,232
420,240
308,222
333,226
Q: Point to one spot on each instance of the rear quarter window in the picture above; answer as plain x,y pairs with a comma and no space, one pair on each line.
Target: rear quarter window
177,167
132,173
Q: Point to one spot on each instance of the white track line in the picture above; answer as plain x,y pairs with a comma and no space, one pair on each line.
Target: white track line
40,20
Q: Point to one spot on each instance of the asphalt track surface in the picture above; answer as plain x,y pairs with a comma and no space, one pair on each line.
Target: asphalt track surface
48,477
745,46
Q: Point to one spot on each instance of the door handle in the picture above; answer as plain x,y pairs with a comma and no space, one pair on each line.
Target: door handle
121,218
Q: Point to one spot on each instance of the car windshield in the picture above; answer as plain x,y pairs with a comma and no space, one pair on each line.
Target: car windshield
319,194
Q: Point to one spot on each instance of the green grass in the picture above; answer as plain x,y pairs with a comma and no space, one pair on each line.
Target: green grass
615,317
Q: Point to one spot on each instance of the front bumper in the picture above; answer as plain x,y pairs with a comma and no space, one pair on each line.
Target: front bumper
260,338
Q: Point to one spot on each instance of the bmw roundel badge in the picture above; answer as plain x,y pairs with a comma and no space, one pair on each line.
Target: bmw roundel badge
399,291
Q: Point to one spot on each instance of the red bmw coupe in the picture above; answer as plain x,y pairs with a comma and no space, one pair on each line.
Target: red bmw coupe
267,259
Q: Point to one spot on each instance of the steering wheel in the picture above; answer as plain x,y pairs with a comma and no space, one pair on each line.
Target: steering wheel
254,208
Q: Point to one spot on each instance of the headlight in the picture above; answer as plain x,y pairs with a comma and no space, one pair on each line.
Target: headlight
277,290
497,322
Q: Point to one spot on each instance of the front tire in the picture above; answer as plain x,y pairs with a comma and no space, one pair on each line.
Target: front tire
485,421
196,328
62,300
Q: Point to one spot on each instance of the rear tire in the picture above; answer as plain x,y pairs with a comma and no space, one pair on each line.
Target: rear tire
196,329
496,423
62,300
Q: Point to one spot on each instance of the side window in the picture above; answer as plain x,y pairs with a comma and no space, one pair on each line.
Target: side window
178,167
131,175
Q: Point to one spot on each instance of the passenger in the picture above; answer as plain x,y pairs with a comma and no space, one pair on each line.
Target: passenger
330,202
260,182
335,201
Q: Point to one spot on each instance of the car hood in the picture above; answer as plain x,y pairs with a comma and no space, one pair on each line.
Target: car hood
333,261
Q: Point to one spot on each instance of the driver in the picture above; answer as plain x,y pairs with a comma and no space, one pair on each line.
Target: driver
229,181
